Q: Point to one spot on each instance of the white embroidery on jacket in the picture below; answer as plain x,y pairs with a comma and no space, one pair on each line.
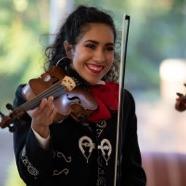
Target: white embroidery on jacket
86,146
30,168
106,149
101,181
58,154
59,172
100,127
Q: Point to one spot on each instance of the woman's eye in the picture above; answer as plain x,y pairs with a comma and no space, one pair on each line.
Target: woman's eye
92,46
110,48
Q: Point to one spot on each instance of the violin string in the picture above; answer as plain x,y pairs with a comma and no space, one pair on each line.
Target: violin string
35,102
54,90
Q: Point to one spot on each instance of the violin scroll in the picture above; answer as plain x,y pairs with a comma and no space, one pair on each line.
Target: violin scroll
7,120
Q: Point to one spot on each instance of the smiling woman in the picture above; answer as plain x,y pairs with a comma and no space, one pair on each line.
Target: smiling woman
93,55
71,152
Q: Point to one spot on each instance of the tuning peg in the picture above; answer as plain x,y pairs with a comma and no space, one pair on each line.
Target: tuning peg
9,107
11,127
4,122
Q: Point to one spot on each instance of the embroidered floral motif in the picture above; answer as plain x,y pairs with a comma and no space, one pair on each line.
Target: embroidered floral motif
58,154
30,168
101,181
59,172
100,127
86,146
106,149
101,124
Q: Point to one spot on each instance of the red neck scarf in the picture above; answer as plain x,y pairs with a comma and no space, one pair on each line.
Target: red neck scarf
106,97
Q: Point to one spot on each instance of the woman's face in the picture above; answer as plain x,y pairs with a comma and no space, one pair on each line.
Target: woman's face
93,55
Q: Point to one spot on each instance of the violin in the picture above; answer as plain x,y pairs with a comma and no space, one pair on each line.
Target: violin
181,102
69,97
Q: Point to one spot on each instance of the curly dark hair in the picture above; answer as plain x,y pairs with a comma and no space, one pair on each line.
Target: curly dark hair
72,29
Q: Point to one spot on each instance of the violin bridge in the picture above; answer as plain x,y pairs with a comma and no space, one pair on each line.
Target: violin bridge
68,83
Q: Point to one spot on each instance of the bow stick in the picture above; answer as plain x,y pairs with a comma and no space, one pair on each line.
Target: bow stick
120,125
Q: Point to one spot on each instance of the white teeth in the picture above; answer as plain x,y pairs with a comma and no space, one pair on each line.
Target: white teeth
95,67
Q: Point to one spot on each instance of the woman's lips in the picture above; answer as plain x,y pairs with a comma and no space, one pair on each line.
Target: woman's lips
95,68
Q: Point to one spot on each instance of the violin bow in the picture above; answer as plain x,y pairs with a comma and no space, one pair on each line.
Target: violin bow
120,132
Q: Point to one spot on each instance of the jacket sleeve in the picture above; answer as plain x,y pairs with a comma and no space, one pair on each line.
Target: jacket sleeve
33,162
132,171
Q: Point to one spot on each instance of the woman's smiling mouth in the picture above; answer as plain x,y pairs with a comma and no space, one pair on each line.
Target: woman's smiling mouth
95,68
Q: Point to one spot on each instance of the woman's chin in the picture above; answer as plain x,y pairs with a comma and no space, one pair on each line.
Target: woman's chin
93,81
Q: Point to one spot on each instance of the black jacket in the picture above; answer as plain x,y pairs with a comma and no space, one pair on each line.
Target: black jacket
78,154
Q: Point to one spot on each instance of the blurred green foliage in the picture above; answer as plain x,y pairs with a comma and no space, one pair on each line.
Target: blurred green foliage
157,32
23,25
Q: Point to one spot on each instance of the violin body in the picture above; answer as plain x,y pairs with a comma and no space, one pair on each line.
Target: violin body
68,98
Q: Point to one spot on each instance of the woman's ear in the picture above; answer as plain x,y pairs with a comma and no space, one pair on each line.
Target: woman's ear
68,49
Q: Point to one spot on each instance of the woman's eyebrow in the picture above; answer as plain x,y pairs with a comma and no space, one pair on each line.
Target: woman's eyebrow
96,42
92,41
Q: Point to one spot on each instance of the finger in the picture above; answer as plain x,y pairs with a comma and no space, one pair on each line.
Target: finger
51,116
53,113
50,103
51,99
43,104
38,109
47,109
33,111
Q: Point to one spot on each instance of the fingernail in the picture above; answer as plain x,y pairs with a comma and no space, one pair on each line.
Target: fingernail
51,98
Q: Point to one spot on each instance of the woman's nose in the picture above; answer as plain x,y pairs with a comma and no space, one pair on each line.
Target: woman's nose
99,55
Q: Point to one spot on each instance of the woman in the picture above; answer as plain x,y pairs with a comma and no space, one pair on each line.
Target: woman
70,152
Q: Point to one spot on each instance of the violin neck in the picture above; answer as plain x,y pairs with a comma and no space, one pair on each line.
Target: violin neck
56,90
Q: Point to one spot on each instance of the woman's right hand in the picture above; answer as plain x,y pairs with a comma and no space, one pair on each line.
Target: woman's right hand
43,116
